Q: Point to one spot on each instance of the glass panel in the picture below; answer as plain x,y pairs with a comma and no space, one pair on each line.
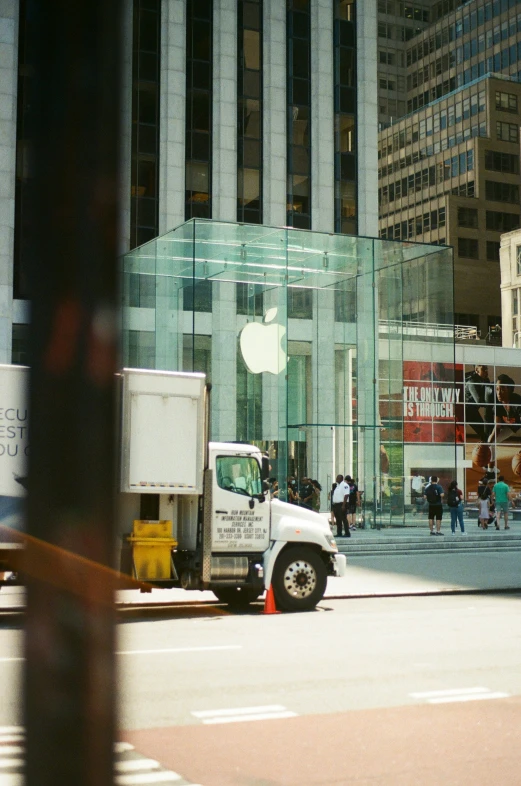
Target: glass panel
331,353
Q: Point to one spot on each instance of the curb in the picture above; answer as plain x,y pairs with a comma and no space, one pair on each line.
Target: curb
133,608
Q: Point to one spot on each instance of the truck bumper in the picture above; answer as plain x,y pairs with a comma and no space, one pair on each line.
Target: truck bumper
340,565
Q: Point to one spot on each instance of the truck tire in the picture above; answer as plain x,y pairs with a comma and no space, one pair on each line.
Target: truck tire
299,579
236,597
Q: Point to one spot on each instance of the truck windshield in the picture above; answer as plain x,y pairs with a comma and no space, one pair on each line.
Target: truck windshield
240,474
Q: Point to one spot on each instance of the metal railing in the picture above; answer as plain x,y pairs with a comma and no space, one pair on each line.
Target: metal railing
428,329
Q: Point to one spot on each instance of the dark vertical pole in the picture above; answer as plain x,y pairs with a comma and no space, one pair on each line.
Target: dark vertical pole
69,699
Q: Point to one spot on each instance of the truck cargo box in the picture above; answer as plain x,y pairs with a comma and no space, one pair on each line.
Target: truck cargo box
163,432
14,430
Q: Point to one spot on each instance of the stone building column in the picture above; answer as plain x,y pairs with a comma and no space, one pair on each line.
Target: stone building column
322,117
172,108
224,112
274,98
224,361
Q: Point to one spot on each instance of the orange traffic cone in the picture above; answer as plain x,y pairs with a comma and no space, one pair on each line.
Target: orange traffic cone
269,603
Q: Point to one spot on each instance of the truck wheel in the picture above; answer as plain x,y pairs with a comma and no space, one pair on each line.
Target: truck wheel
236,597
299,579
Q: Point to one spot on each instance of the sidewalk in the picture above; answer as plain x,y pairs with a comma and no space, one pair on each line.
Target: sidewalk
367,576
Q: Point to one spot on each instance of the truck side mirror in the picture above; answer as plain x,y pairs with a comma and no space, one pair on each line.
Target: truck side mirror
265,467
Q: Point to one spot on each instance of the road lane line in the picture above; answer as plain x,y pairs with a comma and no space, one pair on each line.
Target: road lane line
475,697
238,714
259,717
453,695
450,692
11,750
11,730
238,711
180,649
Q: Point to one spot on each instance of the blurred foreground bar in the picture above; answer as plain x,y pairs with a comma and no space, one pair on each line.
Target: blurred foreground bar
73,51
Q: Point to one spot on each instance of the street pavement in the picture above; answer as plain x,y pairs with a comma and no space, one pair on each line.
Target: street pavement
378,575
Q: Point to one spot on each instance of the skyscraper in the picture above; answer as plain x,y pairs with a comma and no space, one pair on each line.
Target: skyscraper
449,168
256,111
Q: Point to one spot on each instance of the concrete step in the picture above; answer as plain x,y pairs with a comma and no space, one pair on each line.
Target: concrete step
369,544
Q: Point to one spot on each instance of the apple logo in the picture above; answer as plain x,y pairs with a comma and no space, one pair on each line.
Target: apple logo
260,345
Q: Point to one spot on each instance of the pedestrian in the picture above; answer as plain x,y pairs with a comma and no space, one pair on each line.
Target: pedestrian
484,496
293,497
500,496
340,498
306,493
317,488
353,501
417,483
455,503
434,496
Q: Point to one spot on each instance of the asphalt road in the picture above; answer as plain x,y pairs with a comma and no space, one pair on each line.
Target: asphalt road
410,690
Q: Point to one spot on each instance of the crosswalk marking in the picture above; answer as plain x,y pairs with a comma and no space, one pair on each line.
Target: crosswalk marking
137,764
149,777
451,695
131,769
7,763
241,714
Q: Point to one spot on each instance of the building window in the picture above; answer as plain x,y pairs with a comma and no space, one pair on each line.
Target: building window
468,217
299,113
501,162
468,247
506,102
507,132
492,251
249,111
144,222
501,222
198,170
518,260
497,191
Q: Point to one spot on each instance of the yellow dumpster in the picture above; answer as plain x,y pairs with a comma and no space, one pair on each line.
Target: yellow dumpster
152,545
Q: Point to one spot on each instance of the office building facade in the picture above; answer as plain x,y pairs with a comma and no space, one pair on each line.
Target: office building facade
449,168
253,111
449,174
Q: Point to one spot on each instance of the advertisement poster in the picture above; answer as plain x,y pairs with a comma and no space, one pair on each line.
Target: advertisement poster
492,425
433,402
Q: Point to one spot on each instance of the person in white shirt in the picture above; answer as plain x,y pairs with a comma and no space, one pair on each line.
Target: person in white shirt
339,502
417,483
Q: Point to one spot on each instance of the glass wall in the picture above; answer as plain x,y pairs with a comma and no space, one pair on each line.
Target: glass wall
310,342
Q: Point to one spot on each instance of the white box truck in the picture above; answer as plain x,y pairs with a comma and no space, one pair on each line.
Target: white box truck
196,514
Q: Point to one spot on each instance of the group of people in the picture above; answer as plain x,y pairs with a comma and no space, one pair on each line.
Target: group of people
493,498
305,493
345,499
493,502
